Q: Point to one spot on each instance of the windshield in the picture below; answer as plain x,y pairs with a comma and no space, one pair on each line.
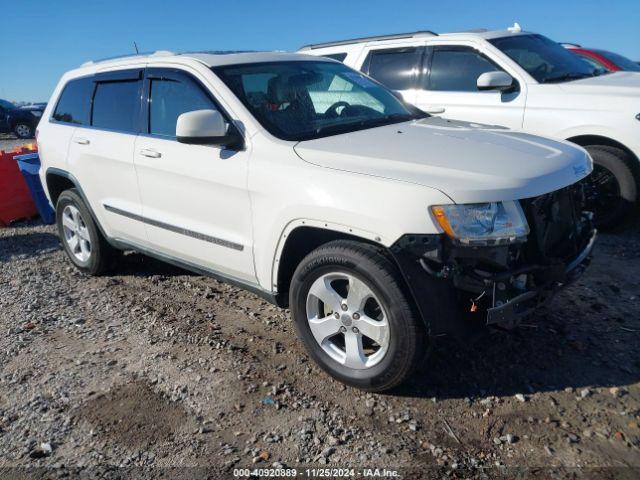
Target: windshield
623,62
301,100
544,59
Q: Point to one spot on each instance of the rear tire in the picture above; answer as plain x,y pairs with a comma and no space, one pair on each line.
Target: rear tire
82,241
23,130
365,304
612,188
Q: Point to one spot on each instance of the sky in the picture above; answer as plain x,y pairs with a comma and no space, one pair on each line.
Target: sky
41,39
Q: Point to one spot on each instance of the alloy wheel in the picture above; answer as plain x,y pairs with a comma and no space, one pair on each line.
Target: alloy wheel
76,233
23,131
347,320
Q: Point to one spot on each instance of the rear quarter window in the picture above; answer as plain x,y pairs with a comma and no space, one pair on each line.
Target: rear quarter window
75,102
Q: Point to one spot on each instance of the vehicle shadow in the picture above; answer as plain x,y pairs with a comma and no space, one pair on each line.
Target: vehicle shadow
27,245
140,265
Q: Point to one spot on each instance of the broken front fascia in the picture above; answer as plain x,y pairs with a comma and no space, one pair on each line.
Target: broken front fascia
496,283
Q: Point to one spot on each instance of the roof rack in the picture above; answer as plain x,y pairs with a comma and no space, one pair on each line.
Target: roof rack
219,52
157,53
424,33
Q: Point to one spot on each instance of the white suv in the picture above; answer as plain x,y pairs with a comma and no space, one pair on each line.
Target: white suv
519,80
313,186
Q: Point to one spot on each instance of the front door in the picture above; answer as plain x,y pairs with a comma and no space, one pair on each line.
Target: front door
195,201
449,88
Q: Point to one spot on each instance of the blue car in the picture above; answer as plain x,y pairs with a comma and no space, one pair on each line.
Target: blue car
22,121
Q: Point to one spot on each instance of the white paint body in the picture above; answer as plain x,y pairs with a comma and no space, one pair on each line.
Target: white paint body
376,184
604,106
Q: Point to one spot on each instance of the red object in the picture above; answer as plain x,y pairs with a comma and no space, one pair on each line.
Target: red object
601,59
15,198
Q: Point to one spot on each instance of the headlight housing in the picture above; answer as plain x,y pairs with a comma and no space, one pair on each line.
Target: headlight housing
494,223
36,113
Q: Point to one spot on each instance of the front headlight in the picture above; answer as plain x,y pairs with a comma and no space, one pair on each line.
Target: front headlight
36,113
483,223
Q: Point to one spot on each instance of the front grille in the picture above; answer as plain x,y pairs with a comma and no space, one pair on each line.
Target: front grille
559,227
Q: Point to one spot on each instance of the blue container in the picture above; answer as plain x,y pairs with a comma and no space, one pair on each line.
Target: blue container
29,165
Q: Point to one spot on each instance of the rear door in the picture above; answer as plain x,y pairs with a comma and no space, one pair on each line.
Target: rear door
196,204
397,67
101,154
449,88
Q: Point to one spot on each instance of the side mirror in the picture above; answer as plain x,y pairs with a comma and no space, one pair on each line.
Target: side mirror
206,127
500,81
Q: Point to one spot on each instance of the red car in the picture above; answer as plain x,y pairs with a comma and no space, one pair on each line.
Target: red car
609,61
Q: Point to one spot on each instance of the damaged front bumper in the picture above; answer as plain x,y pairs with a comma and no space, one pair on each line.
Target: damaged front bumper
498,285
507,312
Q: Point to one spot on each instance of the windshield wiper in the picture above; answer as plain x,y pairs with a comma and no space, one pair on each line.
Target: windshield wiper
366,123
565,77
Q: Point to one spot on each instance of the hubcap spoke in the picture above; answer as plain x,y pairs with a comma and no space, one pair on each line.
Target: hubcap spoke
84,234
358,294
355,357
323,328
68,222
73,243
323,290
376,330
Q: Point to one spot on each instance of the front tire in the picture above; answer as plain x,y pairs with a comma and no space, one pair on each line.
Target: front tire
350,310
82,241
611,190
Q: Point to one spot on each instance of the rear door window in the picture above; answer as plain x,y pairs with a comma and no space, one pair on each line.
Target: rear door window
75,102
116,105
396,68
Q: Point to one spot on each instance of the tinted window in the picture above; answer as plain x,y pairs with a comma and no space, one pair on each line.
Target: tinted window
115,105
170,99
544,59
395,68
622,62
457,69
300,100
75,101
337,56
593,62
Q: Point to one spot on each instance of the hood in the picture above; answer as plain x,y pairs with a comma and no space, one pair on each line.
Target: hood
617,83
467,162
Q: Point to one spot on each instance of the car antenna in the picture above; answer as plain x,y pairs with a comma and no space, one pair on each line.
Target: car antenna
135,45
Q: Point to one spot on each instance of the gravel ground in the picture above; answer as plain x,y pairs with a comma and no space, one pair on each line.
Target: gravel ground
152,366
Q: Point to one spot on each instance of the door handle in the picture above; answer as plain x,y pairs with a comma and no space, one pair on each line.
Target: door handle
147,152
434,110
81,140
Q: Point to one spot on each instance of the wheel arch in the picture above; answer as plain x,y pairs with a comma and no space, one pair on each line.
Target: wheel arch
57,181
302,238
587,140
